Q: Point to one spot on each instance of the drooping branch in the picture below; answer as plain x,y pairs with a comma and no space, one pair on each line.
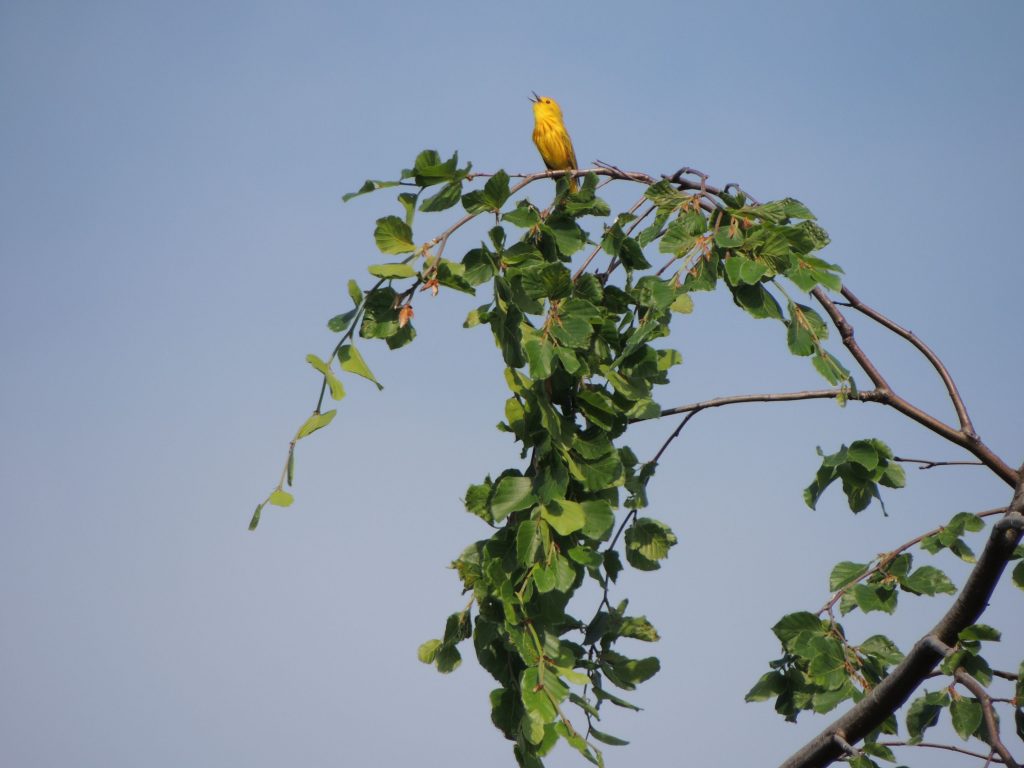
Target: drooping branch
958,404
886,395
890,694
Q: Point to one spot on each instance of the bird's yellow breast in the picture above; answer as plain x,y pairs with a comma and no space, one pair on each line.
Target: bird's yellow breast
554,144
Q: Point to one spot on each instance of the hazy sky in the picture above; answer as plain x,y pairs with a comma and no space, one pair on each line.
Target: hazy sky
173,242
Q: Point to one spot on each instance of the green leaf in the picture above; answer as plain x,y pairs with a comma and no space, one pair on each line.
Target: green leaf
566,233
449,195
340,323
632,388
598,408
1018,575
429,169
335,385
524,215
651,291
564,516
863,452
448,659
878,750
355,293
924,713
647,542
683,304
769,685
928,580
799,338
528,543
628,673
605,738
541,698
873,597
757,301
599,519
632,256
491,198
678,238
793,625
511,495
586,556
539,353
380,320
844,573
315,422
392,271
743,271
369,185
452,275
393,235
604,695
352,361
256,516
966,715
571,330
319,364
427,651
638,628
883,649
664,195
979,632
281,498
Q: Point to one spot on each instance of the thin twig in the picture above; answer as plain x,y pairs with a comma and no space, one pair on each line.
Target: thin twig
958,404
928,464
777,397
933,745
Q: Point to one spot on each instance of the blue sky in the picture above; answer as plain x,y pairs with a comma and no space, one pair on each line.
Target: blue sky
173,242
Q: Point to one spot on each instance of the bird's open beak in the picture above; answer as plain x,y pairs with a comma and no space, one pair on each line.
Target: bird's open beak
535,96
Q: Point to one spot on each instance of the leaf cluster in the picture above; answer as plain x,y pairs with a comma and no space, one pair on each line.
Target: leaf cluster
583,351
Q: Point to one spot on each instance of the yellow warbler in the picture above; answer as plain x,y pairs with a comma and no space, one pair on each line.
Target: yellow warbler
551,138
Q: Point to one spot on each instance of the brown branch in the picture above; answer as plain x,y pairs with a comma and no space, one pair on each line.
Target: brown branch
777,397
958,404
673,436
928,464
892,692
887,396
969,682
846,334
933,745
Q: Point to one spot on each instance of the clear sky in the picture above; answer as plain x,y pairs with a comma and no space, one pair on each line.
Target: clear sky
173,241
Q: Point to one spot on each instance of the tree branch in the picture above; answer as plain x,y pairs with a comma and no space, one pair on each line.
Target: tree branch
888,557
958,404
933,745
968,681
779,397
890,694
928,464
886,395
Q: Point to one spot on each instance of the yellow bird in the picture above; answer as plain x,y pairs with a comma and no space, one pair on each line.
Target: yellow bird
551,138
